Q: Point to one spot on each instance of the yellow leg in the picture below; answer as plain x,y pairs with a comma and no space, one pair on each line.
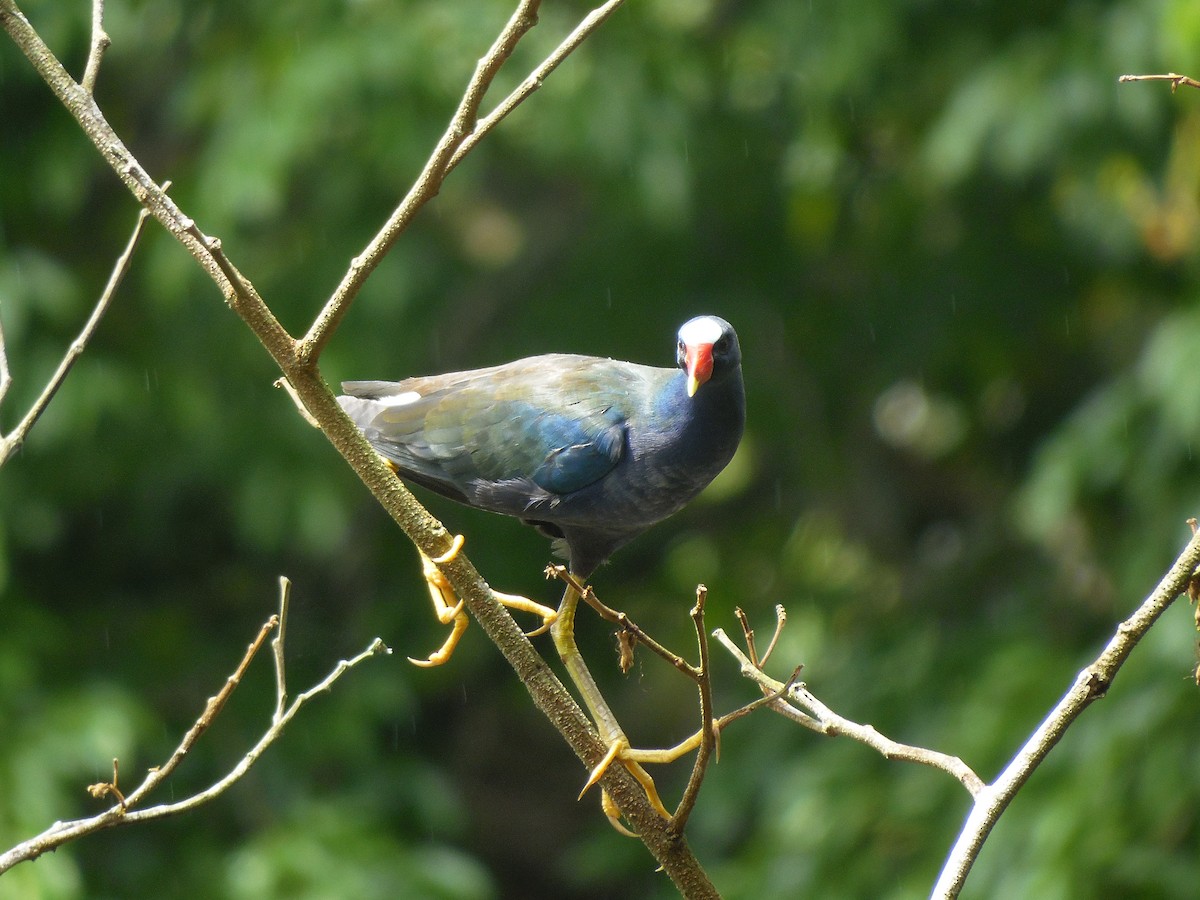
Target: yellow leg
449,608
563,633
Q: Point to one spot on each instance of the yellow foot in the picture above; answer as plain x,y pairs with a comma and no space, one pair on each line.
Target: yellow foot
449,608
620,750
632,759
446,605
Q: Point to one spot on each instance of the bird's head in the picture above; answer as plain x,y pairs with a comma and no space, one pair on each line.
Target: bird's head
708,348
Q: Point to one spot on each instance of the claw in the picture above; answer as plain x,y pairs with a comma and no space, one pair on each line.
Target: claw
597,773
443,653
456,545
449,608
609,729
614,814
620,750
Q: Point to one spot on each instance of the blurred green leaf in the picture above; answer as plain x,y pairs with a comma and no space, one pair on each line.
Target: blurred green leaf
962,261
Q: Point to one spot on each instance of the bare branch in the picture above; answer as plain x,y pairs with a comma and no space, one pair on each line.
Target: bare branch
99,43
123,813
1090,685
623,622
11,442
1176,80
708,729
464,132
425,188
797,703
535,79
212,709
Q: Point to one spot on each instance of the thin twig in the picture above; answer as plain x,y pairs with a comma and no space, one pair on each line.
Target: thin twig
465,131
123,813
535,79
622,621
1176,80
780,621
11,442
99,43
816,716
426,186
277,646
104,788
5,377
747,636
212,709
708,731
283,383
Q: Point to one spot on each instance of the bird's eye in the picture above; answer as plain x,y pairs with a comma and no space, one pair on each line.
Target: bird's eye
722,344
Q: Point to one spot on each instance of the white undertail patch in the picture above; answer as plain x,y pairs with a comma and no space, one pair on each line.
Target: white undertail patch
400,399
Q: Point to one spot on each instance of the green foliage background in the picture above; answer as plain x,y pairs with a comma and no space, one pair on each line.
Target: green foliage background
963,265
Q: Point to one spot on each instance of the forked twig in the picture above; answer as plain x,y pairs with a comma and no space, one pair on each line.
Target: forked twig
1176,80
1090,684
794,701
535,79
212,709
426,185
748,634
124,812
466,129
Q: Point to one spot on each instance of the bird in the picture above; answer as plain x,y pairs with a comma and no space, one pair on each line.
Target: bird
588,450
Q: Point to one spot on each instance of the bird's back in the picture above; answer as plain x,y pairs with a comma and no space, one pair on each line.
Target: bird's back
510,438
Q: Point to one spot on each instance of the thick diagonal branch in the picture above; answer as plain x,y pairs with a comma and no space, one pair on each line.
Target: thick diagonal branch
297,361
